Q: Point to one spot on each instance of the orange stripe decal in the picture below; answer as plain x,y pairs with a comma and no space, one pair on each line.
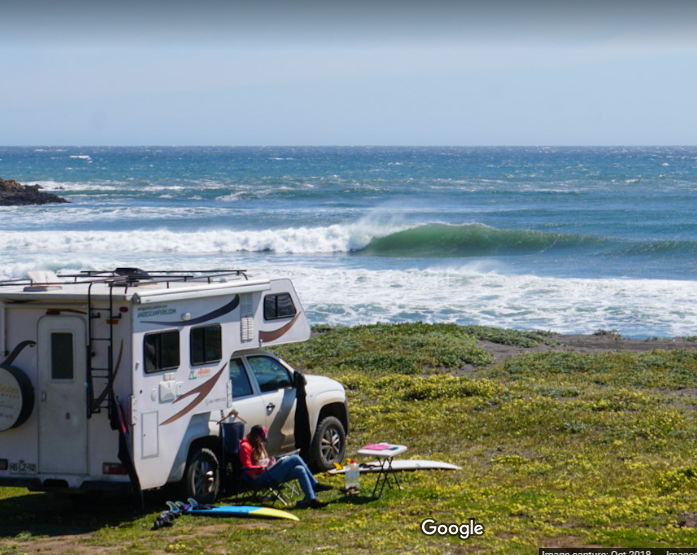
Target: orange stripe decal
267,336
201,393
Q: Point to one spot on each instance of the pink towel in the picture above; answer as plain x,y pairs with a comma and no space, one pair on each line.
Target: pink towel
378,446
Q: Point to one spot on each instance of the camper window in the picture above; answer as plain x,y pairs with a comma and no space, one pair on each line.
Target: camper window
240,381
206,345
278,306
270,373
161,351
62,356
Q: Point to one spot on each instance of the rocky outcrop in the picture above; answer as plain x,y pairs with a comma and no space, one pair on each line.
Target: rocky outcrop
16,194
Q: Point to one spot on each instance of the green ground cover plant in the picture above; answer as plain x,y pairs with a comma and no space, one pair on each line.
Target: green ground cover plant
557,449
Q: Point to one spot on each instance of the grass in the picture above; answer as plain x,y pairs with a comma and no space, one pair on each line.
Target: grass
556,449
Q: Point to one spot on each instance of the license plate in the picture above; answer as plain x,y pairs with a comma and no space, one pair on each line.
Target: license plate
22,467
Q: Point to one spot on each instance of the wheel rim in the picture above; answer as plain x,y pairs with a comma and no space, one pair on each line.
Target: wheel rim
203,478
331,445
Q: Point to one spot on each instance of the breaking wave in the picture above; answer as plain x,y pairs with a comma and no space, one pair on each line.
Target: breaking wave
443,241
430,240
433,240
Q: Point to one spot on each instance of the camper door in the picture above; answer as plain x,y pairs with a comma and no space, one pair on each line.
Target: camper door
62,411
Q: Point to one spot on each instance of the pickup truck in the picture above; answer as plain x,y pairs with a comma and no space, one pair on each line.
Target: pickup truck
264,392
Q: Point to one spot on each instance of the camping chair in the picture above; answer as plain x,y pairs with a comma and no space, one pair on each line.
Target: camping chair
231,433
235,479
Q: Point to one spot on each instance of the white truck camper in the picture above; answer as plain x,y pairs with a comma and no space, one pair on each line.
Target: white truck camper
117,380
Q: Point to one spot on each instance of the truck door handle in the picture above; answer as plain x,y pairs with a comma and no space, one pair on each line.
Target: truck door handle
270,407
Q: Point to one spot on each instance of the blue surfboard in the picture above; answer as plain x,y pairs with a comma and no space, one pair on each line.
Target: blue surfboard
241,510
232,510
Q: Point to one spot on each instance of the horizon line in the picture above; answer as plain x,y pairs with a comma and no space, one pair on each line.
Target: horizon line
657,145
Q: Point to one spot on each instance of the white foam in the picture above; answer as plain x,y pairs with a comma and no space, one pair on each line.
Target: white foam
165,187
233,197
82,186
301,240
476,293
73,214
135,186
469,296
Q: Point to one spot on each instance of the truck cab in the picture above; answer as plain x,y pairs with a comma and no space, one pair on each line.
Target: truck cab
265,391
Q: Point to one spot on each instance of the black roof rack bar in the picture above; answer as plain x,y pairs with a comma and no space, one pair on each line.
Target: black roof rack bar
123,276
16,281
156,273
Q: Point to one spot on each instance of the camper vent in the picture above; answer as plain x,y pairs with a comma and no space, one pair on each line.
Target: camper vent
246,318
247,326
41,287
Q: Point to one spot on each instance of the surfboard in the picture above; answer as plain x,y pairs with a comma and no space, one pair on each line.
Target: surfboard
404,465
240,511
193,508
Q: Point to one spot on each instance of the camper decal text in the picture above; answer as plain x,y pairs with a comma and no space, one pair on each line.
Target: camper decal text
195,374
10,390
10,400
160,310
16,391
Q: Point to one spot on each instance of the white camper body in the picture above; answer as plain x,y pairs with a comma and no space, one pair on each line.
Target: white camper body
105,369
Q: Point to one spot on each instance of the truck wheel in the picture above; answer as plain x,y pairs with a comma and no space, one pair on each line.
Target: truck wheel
202,476
329,444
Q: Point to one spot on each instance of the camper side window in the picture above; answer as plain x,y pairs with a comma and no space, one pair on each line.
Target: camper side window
62,356
206,345
278,306
161,351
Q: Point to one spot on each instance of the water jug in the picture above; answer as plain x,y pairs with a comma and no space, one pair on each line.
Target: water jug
352,477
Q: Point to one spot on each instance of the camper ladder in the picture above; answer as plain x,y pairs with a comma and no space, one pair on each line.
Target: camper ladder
100,380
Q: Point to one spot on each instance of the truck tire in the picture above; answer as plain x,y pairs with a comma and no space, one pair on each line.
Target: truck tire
202,476
329,444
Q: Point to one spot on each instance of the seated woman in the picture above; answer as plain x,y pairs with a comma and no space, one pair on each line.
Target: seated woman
261,469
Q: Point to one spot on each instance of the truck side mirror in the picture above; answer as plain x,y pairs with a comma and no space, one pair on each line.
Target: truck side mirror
299,380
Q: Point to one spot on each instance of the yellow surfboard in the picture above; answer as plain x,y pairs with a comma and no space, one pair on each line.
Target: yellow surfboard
240,511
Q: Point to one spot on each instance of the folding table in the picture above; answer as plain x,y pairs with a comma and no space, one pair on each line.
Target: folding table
384,453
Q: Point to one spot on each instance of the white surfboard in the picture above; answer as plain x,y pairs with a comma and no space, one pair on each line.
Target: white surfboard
402,465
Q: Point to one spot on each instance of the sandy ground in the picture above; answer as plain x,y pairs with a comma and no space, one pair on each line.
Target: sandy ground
601,343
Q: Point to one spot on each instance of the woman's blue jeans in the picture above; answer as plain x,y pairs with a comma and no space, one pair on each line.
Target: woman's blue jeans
292,468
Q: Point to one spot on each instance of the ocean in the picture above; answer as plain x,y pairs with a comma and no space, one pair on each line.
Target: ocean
571,240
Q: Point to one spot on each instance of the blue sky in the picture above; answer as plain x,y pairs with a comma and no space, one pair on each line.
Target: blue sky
349,73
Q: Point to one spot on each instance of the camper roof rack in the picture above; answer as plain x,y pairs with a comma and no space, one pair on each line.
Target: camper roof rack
135,275
124,276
